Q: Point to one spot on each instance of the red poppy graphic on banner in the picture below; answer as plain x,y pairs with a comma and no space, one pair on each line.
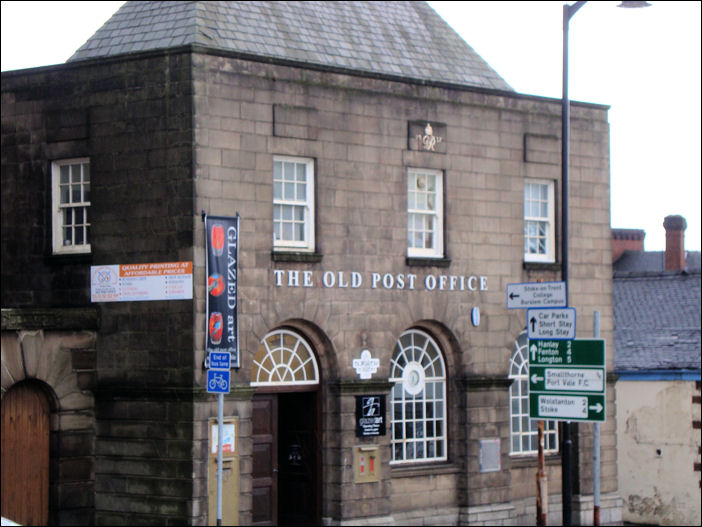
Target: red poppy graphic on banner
215,284
217,239
216,328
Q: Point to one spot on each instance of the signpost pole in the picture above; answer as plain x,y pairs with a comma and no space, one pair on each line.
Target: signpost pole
220,440
541,481
596,446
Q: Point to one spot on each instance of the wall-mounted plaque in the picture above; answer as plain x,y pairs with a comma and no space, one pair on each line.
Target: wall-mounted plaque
370,415
426,136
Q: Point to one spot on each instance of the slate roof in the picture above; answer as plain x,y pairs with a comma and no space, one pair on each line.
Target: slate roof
651,262
657,320
400,39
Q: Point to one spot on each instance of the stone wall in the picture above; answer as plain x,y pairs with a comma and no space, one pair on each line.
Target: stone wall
356,130
132,118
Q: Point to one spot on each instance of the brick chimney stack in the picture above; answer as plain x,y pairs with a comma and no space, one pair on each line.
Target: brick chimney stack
674,243
626,240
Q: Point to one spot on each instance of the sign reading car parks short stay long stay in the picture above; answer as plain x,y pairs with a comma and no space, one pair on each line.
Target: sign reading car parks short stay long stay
567,380
536,294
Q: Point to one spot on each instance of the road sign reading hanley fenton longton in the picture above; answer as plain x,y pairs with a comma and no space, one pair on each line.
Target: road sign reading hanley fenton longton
536,294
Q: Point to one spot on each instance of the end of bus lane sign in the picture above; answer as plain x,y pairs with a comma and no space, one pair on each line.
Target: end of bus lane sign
536,294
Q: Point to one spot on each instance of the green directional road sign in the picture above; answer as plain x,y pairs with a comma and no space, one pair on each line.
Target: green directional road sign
567,380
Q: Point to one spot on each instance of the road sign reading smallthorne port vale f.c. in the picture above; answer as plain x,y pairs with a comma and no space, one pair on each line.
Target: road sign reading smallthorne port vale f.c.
567,380
536,294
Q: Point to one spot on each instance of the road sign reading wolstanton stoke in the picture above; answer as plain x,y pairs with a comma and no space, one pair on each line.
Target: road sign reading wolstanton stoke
567,380
536,294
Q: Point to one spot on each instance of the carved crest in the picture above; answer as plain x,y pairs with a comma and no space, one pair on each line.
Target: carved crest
427,140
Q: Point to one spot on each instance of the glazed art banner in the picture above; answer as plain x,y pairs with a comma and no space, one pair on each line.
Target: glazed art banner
222,253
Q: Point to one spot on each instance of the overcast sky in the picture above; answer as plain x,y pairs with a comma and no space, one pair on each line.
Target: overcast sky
644,63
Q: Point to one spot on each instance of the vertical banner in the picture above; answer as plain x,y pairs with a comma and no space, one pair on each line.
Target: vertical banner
222,262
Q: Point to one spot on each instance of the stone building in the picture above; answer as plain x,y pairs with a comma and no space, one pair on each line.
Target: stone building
389,186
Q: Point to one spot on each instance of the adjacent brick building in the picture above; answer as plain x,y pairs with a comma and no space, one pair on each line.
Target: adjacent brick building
389,185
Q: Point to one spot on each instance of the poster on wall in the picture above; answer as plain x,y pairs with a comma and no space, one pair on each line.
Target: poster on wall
141,282
370,415
222,263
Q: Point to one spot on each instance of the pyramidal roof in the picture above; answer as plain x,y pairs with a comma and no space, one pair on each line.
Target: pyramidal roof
400,39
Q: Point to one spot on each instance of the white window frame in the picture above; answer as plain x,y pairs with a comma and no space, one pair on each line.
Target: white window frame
435,213
58,208
523,430
549,253
418,372
304,204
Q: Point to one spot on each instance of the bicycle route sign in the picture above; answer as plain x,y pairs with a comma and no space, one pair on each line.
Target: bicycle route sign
567,380
218,374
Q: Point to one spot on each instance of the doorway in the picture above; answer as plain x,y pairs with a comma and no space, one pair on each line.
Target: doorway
286,458
25,454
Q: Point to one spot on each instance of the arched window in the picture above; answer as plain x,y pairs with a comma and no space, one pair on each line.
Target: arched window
282,358
523,430
418,399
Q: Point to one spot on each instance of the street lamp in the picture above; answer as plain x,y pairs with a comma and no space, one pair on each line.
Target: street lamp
569,11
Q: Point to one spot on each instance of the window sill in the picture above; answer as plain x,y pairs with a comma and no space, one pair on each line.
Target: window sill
297,257
532,460
426,469
541,266
413,261
69,258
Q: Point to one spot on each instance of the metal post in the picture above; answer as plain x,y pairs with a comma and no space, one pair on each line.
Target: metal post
541,480
596,446
220,437
566,468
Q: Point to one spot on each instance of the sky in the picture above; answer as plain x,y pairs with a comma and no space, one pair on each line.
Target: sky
643,63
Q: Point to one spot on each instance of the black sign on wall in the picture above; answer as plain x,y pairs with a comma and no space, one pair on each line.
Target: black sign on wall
222,249
370,415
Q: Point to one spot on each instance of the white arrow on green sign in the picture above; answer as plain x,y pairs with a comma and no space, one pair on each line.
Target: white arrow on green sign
567,380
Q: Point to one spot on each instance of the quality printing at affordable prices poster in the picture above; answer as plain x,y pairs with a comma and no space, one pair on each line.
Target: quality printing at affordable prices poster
222,250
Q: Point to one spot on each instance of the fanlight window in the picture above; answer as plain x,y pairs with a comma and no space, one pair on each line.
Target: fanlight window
283,357
418,400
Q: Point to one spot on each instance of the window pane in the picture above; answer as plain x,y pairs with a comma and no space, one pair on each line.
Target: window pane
289,191
277,190
79,236
301,191
287,231
64,174
299,232
64,194
75,194
86,192
288,171
75,173
301,172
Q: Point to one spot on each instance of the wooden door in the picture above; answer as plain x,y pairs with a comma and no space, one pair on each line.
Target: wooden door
25,455
298,460
265,460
